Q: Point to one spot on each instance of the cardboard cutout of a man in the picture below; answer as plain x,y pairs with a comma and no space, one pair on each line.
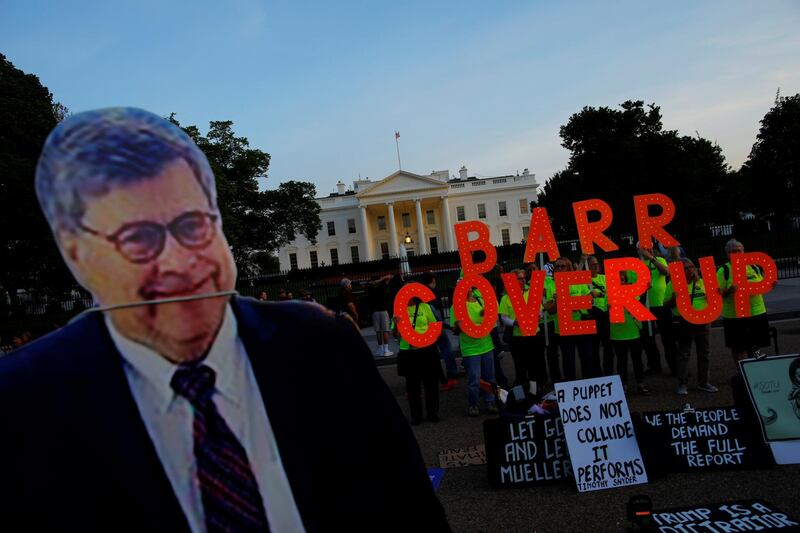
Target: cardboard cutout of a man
176,406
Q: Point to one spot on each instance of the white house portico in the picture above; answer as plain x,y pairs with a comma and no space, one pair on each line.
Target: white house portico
371,220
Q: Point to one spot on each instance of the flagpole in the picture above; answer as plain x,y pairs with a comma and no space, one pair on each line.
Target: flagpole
397,145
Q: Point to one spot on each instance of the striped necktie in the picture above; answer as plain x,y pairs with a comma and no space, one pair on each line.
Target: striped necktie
231,499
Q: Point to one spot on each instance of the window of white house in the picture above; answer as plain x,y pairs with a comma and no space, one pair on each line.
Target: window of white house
501,208
460,214
351,225
354,254
431,216
312,255
523,206
334,256
385,250
382,223
331,228
506,236
293,261
481,210
525,230
406,220
434,245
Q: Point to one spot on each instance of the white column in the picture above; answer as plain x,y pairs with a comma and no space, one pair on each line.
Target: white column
447,233
394,251
365,233
422,247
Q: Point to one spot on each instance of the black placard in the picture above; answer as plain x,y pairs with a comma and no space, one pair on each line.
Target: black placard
526,451
703,439
742,515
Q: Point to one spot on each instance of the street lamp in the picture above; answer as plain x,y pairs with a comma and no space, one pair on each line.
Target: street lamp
408,239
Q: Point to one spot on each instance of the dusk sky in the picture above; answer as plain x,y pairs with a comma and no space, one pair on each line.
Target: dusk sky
323,86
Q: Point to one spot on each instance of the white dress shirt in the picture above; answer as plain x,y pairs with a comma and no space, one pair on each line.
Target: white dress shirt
168,418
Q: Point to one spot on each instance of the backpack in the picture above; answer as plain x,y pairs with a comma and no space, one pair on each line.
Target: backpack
726,271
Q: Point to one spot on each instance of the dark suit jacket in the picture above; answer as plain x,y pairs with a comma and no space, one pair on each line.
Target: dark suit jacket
75,454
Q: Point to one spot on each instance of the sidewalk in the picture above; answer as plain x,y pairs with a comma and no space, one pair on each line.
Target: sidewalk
782,302
372,342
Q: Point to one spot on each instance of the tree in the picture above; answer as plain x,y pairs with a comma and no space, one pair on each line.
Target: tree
616,154
256,222
771,174
28,254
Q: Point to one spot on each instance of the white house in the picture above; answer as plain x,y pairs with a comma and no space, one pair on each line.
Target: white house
371,220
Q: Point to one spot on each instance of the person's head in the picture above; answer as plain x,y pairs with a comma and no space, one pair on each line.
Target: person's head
346,284
290,295
673,254
594,265
562,264
690,269
644,253
429,279
263,296
733,247
132,203
521,276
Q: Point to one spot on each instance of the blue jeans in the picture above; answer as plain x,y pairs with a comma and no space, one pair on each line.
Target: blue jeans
447,354
479,366
590,362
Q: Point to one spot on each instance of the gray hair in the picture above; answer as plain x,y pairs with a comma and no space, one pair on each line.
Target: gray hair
731,244
93,152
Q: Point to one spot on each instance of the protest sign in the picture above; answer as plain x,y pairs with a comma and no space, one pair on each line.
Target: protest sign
526,451
774,387
704,439
473,455
602,444
744,515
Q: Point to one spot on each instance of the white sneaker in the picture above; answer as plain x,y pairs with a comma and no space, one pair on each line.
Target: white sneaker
682,390
379,352
388,353
707,387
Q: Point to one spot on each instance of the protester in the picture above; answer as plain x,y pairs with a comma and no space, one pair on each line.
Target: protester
569,344
548,317
599,313
526,350
347,302
177,405
307,296
654,300
443,342
378,296
497,283
742,334
477,355
282,295
687,332
262,297
625,340
420,366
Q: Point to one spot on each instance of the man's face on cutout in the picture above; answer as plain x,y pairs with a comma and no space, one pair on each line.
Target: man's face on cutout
151,240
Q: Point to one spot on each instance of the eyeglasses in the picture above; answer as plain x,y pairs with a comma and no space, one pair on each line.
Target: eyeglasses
560,265
142,242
